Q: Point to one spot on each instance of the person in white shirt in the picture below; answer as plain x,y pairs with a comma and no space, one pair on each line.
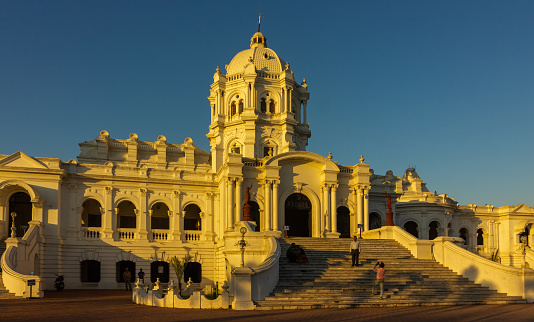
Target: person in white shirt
355,249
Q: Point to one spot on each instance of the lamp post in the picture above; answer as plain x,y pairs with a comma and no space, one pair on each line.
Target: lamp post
242,244
13,228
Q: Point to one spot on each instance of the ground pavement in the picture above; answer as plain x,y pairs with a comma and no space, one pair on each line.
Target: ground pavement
116,305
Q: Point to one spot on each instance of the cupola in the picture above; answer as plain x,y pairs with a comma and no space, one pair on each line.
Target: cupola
258,40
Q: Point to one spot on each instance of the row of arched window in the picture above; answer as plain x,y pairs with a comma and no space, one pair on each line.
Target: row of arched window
412,228
126,215
90,271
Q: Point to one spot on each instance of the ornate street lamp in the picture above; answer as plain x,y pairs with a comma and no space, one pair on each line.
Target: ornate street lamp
13,228
242,244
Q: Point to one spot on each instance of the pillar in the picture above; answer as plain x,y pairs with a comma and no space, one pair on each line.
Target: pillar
267,187
333,205
109,218
359,206
366,208
142,215
176,229
238,203
326,205
230,203
276,226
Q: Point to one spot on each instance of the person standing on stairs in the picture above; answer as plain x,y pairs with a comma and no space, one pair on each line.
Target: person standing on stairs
355,249
380,274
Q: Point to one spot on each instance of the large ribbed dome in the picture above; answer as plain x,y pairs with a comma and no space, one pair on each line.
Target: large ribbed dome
263,58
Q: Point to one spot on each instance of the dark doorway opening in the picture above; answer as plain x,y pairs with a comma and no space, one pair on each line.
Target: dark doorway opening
255,214
159,269
121,268
433,230
375,221
297,215
411,227
193,270
90,271
20,203
343,221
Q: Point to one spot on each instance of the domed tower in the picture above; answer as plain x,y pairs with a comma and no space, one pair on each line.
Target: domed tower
257,108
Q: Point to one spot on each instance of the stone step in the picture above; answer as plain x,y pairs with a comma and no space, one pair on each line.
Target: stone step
327,280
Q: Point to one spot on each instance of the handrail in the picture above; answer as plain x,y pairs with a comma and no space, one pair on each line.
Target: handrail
14,281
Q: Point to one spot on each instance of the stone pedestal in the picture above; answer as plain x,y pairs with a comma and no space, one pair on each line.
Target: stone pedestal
242,289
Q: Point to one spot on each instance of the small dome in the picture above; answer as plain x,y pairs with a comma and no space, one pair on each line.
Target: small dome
263,58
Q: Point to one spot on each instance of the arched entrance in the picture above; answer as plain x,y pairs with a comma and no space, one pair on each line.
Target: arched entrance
374,221
20,203
255,214
411,227
433,230
343,221
297,215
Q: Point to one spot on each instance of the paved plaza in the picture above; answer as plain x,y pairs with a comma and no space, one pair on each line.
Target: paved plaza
116,305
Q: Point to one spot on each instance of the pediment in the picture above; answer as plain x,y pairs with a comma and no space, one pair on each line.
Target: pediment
523,208
21,160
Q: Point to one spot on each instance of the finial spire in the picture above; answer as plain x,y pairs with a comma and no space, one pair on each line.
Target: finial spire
259,22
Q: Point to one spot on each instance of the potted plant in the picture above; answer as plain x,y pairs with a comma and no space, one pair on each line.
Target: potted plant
179,268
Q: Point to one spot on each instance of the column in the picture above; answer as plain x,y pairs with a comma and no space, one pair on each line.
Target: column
366,208
209,216
230,203
176,231
267,187
359,206
353,214
326,205
238,205
276,226
73,222
109,218
333,205
142,213
304,112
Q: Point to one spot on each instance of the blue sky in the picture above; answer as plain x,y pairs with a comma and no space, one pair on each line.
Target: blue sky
446,86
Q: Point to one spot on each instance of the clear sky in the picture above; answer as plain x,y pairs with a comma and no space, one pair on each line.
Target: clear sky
445,86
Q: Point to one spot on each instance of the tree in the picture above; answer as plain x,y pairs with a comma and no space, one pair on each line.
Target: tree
179,268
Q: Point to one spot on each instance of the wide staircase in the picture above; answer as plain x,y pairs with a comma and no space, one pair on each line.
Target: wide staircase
4,294
329,281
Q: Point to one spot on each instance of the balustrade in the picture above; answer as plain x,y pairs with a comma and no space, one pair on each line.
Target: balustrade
91,233
192,235
127,233
160,234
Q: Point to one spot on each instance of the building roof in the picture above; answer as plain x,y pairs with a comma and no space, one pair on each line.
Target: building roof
263,58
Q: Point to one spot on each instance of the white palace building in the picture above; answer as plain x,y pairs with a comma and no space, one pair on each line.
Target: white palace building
128,203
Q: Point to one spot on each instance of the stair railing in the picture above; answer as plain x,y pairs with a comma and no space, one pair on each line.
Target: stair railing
17,261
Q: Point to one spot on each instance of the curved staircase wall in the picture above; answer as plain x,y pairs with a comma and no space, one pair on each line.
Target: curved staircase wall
265,276
510,280
18,258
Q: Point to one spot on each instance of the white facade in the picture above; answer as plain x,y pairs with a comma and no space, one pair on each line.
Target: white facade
130,201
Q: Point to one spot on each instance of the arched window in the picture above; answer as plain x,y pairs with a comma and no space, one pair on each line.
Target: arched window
160,216
263,105
271,106
255,214
192,217
126,215
91,215
433,230
193,270
20,203
241,106
464,233
411,227
480,237
90,271
232,108
343,221
159,269
375,220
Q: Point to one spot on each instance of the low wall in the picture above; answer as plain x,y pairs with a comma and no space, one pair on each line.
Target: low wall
18,254
419,248
506,279
172,299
